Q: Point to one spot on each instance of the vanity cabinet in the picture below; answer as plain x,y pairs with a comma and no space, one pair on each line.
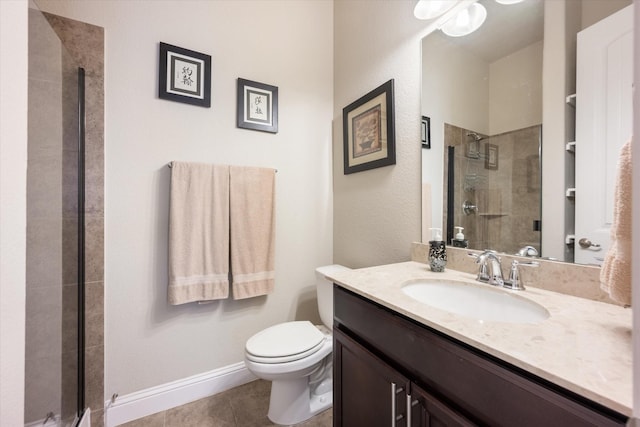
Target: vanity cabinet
386,364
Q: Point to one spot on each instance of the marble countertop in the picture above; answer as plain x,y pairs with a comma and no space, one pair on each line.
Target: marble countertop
584,346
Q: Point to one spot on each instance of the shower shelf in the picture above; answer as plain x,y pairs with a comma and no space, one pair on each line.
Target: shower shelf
494,213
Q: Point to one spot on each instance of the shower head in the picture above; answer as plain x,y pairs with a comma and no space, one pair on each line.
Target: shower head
475,136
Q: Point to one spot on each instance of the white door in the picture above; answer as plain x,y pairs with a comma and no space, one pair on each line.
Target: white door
604,77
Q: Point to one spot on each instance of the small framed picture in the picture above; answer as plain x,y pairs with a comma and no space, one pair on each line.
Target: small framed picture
257,106
185,75
426,132
369,131
491,157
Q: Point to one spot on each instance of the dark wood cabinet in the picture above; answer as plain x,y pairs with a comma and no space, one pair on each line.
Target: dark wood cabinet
428,411
438,381
372,393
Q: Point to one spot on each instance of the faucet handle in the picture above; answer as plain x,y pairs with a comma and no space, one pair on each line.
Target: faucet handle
514,282
483,273
528,251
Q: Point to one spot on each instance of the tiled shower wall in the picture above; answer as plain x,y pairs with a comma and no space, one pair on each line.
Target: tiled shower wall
45,348
52,220
507,194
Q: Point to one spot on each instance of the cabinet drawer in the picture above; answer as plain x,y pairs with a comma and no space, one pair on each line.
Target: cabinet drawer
485,389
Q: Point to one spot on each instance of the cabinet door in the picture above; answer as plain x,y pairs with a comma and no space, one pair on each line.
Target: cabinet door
429,411
367,391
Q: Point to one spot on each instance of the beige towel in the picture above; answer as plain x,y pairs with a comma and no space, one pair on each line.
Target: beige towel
198,233
252,205
615,275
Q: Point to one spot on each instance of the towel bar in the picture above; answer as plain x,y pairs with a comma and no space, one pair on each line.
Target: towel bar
170,164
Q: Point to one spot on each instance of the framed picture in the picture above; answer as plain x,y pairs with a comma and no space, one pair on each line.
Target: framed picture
257,106
491,156
185,75
369,131
426,132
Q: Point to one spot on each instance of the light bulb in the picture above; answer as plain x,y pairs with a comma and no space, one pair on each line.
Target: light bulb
466,21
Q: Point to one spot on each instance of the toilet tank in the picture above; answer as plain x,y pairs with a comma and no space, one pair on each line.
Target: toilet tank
324,289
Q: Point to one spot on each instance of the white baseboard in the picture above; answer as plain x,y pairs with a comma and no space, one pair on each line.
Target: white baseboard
160,398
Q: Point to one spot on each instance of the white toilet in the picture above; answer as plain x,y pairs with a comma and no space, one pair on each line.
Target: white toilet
296,357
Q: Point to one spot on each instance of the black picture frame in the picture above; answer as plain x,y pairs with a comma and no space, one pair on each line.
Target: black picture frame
184,75
257,107
426,132
369,130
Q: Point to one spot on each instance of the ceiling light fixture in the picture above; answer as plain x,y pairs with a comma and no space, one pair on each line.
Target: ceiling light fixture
509,1
429,9
466,21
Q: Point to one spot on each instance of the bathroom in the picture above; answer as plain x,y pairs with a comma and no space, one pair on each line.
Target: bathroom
324,216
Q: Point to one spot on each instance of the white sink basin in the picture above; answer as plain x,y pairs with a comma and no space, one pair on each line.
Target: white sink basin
475,301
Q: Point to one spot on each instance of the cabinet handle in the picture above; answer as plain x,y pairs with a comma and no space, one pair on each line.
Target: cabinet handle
410,405
393,404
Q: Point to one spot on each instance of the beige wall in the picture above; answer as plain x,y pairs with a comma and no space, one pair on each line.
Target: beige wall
516,81
377,212
13,181
284,43
594,10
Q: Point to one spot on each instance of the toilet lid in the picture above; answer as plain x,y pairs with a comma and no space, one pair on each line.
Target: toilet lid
285,339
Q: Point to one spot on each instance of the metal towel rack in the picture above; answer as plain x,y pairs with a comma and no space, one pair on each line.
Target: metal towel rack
170,165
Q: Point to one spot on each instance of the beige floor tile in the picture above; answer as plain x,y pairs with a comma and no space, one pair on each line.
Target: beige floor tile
250,403
323,419
214,411
244,406
154,420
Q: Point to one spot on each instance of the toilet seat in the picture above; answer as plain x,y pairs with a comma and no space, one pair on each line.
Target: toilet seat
285,342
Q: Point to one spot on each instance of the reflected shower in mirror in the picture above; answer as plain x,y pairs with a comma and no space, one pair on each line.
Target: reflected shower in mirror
496,187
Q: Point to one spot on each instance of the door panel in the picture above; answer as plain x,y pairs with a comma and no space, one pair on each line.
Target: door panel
603,124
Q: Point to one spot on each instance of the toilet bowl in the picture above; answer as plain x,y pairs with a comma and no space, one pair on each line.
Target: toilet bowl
297,358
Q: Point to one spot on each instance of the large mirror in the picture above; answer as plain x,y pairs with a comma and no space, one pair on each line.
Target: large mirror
490,118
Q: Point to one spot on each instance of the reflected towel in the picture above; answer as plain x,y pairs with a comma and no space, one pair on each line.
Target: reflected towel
252,206
615,275
198,233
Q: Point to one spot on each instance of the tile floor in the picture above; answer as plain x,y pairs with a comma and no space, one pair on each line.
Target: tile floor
244,406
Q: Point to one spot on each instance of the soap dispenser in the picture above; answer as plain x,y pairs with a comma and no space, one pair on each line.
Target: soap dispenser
459,241
437,251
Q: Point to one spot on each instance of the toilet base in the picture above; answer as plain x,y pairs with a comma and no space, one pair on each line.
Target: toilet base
293,402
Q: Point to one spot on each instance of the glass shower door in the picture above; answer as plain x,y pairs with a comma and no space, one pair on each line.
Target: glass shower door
54,288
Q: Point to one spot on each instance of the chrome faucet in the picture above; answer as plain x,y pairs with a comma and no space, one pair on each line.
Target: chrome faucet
528,251
490,269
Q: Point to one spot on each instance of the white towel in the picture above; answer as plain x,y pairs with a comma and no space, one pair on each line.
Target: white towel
252,205
198,233
615,275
